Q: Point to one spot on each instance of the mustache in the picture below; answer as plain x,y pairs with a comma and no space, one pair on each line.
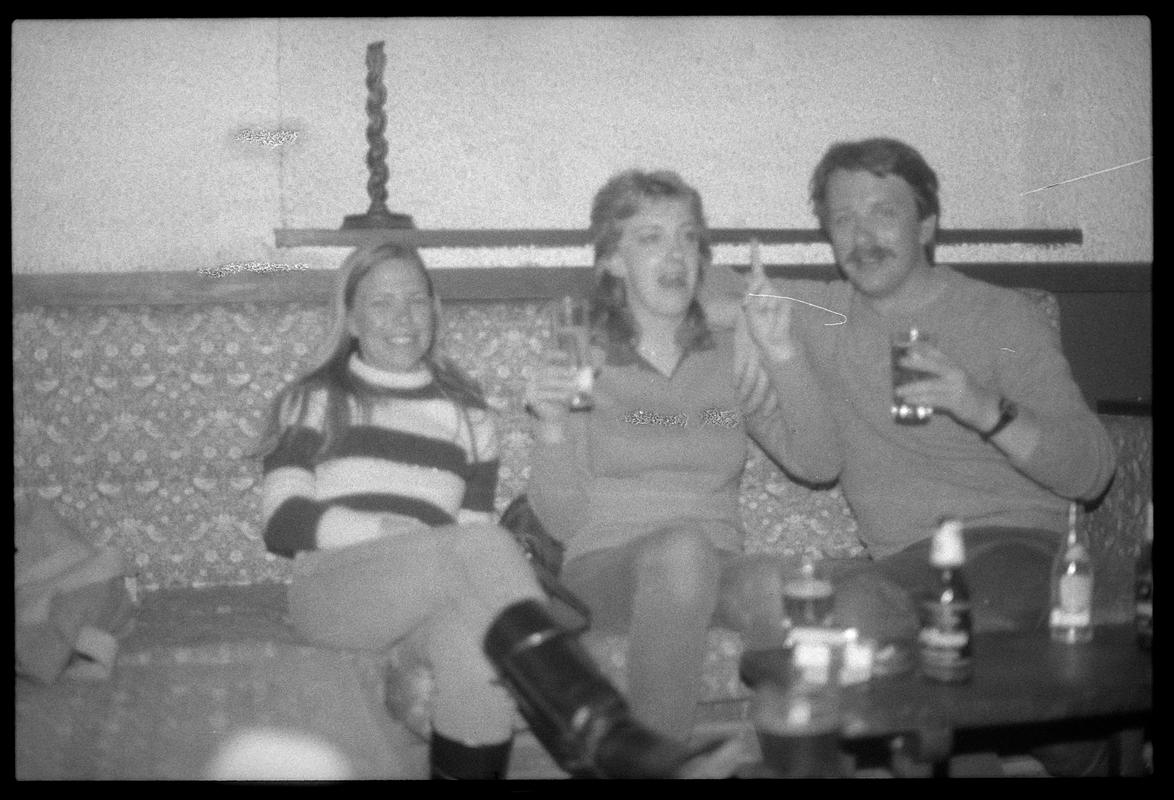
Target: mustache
875,253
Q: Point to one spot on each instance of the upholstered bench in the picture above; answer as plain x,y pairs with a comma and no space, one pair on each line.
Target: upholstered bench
136,422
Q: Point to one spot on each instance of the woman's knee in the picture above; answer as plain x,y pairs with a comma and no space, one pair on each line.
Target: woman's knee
752,592
485,563
680,563
452,641
487,545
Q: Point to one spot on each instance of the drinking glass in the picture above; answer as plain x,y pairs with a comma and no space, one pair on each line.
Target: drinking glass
808,597
901,344
798,725
572,332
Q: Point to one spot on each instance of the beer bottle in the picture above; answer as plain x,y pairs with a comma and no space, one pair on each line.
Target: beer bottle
1072,582
944,641
1144,591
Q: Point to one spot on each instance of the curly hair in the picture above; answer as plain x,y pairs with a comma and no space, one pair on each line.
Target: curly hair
619,199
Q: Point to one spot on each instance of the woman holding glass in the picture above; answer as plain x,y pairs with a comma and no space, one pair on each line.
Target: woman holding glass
643,488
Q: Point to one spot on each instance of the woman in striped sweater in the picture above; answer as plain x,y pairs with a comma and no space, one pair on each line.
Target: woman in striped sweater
380,471
380,467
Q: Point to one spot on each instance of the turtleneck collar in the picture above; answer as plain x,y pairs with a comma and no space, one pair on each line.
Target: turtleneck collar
415,379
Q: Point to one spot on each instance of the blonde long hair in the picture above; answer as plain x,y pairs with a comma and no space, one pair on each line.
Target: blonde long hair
331,374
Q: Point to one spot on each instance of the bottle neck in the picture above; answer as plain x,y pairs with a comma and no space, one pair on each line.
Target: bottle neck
950,575
1076,535
1075,544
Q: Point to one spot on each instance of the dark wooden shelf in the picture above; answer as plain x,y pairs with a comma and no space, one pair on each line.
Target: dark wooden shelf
1142,407
490,283
550,237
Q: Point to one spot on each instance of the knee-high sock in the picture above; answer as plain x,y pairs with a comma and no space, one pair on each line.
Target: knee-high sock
471,706
676,594
453,760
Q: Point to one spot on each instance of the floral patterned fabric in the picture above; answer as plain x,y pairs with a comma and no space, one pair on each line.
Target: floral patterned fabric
137,422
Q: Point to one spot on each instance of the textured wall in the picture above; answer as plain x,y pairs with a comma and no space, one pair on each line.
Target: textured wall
124,154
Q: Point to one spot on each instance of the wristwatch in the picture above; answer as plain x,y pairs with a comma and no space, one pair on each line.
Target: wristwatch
1008,411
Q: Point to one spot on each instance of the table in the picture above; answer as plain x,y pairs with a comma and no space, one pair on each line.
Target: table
1020,680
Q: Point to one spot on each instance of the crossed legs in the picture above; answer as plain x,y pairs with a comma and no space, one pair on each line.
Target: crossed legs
446,585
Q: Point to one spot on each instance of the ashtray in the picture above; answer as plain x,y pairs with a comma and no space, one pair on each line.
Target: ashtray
812,651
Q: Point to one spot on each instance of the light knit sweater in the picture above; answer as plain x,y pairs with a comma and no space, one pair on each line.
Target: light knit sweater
899,480
659,450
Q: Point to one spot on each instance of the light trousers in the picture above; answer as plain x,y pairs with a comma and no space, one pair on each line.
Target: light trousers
445,585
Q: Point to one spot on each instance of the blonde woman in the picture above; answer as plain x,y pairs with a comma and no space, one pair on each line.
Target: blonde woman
380,469
643,489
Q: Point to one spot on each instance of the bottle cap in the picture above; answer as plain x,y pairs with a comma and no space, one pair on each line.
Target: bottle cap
947,549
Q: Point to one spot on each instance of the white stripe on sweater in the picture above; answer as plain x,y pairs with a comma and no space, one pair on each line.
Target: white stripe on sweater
283,483
366,475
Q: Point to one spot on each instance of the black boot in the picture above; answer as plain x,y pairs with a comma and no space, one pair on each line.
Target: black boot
452,760
573,710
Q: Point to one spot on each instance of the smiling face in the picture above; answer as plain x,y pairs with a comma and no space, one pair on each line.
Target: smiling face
878,239
391,316
659,257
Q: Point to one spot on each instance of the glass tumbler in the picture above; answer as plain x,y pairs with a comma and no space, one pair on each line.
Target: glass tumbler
572,333
901,344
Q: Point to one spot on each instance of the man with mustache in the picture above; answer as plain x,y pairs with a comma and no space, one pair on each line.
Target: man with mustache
1011,440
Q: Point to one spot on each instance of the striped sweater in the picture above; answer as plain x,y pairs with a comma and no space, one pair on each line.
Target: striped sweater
416,461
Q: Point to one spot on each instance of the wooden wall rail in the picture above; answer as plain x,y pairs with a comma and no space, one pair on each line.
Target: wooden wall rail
498,283
550,237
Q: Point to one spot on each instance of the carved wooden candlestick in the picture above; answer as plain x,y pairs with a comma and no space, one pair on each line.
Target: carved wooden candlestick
377,215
